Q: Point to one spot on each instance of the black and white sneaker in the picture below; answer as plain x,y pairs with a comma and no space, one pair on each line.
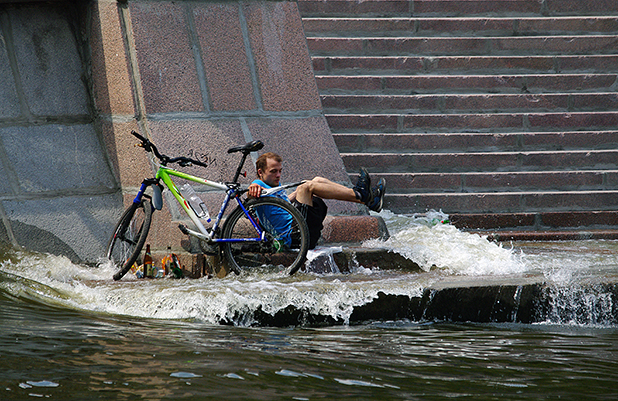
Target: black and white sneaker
376,201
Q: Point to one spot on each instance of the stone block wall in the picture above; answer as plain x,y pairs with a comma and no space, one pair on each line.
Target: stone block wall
196,77
59,193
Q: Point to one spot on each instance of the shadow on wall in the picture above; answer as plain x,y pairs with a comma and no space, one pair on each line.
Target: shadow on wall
58,191
35,239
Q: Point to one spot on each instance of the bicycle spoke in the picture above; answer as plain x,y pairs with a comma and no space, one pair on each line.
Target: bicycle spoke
286,239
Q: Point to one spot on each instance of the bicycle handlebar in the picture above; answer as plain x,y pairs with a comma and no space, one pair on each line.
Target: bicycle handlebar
150,147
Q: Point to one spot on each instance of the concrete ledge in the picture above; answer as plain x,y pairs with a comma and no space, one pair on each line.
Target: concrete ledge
549,235
516,300
526,303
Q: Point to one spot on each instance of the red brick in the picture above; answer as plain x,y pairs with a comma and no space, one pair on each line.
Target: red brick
588,63
611,178
555,44
527,181
344,7
538,26
426,46
474,7
581,6
353,25
379,103
578,219
354,122
451,122
493,64
352,84
432,162
571,159
481,26
446,83
405,142
388,162
570,139
420,182
505,102
582,120
595,101
493,220
325,46
572,201
503,83
570,82
454,203
319,63
400,64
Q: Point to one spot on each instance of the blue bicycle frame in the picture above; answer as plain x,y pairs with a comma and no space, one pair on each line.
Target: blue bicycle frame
232,191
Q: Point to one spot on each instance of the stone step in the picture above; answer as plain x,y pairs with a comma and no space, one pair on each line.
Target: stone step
415,84
463,46
545,221
482,161
466,103
477,108
467,26
468,65
478,182
475,142
502,202
482,122
334,8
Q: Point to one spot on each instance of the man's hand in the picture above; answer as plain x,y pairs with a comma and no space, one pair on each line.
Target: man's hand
255,190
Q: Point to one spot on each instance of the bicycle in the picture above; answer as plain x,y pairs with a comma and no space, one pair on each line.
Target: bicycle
260,231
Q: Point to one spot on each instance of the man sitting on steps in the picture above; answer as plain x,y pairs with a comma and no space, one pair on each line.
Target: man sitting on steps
308,196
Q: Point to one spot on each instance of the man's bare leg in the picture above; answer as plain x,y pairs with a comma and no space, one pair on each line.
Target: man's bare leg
325,189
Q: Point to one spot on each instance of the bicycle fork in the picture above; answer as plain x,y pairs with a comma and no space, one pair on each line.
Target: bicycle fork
157,193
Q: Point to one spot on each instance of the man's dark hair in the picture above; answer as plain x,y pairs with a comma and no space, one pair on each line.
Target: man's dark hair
260,163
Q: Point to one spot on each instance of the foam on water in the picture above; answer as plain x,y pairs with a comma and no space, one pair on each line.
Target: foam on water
55,280
431,243
440,249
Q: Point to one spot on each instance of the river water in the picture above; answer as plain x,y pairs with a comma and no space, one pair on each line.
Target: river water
68,332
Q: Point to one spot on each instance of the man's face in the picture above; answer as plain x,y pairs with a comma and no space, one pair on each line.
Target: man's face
272,173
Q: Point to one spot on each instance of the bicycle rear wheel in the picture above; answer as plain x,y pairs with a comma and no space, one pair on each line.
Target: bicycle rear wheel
129,237
286,241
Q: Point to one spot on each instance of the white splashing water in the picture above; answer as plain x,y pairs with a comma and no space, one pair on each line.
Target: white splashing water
440,249
431,243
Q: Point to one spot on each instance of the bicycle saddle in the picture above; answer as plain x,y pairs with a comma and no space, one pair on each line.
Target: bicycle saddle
247,148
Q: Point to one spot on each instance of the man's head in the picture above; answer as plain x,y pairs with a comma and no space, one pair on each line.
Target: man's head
268,168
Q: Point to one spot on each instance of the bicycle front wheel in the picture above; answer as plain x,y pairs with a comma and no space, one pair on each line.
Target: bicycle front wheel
286,239
129,237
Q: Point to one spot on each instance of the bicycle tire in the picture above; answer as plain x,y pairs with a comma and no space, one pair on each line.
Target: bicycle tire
129,236
287,249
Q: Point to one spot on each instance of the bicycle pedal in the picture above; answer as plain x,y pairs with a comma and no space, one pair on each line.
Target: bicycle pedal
183,229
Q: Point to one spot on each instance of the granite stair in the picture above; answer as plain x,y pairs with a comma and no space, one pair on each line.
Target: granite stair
502,114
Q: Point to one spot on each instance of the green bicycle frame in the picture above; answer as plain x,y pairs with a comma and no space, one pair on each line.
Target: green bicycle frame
164,174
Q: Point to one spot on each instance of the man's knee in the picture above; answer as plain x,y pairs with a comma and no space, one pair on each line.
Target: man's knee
309,187
319,180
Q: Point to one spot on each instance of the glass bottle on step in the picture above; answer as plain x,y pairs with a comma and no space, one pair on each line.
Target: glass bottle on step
148,262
